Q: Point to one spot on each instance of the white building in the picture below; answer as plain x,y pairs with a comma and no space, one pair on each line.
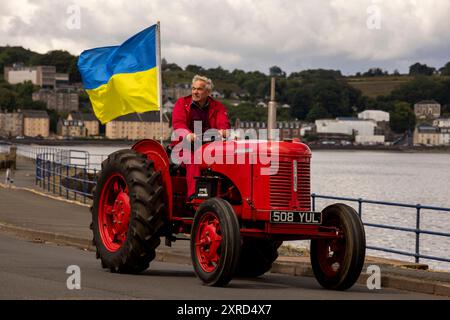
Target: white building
376,115
445,136
43,76
21,76
364,130
442,122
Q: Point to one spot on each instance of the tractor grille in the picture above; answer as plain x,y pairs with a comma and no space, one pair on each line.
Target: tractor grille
304,183
281,184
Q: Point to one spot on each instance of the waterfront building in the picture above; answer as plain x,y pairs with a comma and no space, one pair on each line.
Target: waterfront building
364,131
288,129
137,126
11,124
89,121
36,123
427,109
429,135
71,128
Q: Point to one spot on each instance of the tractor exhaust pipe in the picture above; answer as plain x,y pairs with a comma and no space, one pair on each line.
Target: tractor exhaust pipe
272,113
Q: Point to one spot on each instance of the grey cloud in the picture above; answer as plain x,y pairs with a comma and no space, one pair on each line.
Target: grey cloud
245,34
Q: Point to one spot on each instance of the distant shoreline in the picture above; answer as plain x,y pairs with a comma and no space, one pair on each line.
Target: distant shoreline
403,149
313,147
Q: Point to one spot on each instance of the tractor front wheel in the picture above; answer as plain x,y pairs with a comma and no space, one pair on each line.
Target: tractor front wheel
215,242
337,262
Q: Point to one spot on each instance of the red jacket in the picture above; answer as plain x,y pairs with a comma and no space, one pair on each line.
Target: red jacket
217,115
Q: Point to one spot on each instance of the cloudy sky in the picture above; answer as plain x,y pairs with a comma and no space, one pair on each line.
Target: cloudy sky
350,35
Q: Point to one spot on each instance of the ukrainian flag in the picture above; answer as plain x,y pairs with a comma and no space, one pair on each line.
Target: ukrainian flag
123,79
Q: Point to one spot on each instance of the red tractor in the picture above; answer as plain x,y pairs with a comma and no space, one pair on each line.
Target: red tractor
237,220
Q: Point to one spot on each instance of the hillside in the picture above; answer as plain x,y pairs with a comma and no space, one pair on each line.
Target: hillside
381,86
377,86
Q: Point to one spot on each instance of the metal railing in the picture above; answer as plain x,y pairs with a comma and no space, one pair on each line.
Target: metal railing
57,173
417,230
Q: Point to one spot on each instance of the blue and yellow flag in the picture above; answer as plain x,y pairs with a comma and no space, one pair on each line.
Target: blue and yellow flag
122,79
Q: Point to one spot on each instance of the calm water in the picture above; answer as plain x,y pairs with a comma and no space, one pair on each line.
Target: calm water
410,178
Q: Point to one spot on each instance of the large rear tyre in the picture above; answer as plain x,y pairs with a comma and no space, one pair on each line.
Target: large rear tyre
337,263
257,256
127,212
215,242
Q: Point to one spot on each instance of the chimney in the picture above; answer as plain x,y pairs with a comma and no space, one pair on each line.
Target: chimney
272,112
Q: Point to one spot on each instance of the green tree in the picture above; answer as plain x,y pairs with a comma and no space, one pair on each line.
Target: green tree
421,88
374,72
445,70
54,117
195,69
314,74
402,118
59,58
10,55
300,99
37,105
171,67
276,71
421,69
24,93
74,73
317,111
8,99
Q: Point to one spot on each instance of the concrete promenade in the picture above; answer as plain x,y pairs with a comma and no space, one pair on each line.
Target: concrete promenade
29,212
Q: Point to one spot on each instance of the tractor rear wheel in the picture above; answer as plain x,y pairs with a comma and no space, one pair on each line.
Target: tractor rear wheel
215,242
337,263
127,212
257,256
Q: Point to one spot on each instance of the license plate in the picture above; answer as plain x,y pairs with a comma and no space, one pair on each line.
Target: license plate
300,217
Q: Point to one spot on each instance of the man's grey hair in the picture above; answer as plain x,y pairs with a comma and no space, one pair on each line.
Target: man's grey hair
209,84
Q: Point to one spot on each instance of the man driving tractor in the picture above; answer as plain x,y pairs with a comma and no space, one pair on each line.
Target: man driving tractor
201,108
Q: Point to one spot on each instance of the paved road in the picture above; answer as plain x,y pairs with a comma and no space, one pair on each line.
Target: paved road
30,270
25,209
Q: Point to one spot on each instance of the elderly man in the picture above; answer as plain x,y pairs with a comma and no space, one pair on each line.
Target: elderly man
201,108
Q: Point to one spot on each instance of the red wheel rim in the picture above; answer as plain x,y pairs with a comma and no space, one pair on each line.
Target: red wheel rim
331,252
208,239
114,212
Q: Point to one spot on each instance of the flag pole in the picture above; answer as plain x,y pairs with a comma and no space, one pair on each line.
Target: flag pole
158,53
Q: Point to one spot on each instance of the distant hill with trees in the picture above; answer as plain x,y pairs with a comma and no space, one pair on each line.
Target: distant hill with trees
311,94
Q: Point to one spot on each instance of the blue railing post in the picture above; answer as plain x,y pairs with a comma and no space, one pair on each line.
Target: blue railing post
68,182
75,187
49,168
417,257
54,173
84,185
360,201
60,182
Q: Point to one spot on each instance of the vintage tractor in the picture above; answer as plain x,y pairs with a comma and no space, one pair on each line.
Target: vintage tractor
238,218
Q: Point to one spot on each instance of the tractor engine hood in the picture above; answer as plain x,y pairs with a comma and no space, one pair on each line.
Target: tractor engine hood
243,152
